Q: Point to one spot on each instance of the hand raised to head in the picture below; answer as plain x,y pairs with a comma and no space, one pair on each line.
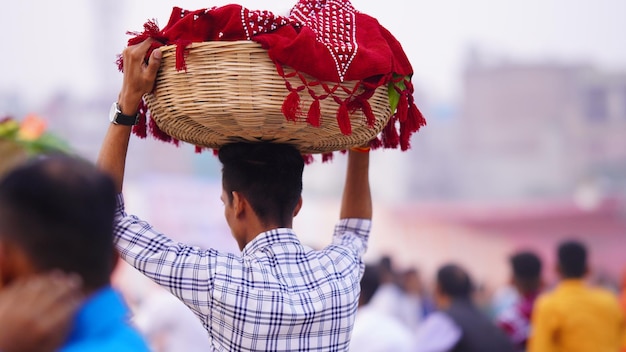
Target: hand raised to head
36,313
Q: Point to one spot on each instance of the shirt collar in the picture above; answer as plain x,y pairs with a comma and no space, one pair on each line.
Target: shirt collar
572,283
269,238
103,308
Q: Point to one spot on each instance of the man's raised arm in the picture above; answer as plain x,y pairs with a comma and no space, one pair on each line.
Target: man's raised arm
139,78
357,198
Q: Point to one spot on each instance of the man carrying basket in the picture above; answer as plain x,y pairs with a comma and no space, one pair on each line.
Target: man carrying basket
278,295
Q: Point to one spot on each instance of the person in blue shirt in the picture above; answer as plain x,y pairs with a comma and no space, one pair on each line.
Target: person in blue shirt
56,213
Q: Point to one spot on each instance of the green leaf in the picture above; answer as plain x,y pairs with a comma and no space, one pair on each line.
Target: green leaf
394,96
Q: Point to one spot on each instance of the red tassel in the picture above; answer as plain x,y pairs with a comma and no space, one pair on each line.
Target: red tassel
369,115
405,136
308,158
157,133
326,157
416,118
198,149
181,53
390,134
403,107
375,143
343,119
120,63
313,117
141,129
291,106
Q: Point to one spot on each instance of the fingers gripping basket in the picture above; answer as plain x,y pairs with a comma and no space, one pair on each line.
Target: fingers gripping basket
231,91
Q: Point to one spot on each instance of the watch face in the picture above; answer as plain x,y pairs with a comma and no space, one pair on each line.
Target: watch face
116,116
113,112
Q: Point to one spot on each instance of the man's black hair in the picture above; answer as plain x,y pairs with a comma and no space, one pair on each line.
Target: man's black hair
572,256
60,210
268,175
454,281
526,267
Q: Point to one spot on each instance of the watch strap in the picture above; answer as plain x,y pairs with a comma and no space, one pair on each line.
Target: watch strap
119,118
126,120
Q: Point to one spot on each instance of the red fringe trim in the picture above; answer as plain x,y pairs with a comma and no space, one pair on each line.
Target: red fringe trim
390,134
291,106
376,143
308,158
141,128
369,115
157,133
415,115
314,115
343,119
181,54
403,107
405,136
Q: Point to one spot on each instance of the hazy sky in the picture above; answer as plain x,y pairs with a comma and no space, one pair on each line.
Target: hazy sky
51,44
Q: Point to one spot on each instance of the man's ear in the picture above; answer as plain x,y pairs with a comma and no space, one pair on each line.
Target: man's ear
13,263
239,203
298,207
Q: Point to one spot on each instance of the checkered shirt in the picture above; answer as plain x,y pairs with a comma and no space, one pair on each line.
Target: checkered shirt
278,295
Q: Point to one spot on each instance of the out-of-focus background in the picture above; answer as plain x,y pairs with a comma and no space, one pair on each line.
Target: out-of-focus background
525,143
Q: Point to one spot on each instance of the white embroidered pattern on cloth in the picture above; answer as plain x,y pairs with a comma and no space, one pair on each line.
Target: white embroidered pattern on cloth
334,26
257,22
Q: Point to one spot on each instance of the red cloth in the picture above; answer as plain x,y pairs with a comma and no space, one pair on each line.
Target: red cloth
327,39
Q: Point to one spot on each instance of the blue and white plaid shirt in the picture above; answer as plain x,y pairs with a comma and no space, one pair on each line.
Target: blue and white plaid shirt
278,295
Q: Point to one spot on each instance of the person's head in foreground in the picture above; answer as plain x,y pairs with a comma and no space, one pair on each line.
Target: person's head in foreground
262,187
572,260
453,283
56,213
526,267
370,281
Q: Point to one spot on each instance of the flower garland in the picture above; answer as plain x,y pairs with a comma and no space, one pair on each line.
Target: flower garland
20,140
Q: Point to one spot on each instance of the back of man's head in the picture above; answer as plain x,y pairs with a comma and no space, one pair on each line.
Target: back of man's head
454,282
59,212
572,257
268,175
526,267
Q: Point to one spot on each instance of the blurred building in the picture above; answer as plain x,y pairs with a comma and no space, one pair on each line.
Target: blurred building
542,130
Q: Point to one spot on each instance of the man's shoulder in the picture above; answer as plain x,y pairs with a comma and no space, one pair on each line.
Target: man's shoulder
129,343
605,296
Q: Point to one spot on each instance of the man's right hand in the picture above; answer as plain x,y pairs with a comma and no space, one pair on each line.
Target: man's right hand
37,313
139,76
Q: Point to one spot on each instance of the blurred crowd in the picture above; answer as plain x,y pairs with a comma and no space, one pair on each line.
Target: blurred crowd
402,311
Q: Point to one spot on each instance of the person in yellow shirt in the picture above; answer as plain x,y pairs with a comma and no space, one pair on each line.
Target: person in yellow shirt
575,317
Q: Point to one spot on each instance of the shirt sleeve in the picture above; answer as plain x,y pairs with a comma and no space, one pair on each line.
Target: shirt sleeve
438,333
544,324
187,272
353,234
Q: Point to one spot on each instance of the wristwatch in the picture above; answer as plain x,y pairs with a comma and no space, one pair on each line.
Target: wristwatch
116,116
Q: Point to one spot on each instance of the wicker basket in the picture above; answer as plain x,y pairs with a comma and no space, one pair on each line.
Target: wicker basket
232,92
